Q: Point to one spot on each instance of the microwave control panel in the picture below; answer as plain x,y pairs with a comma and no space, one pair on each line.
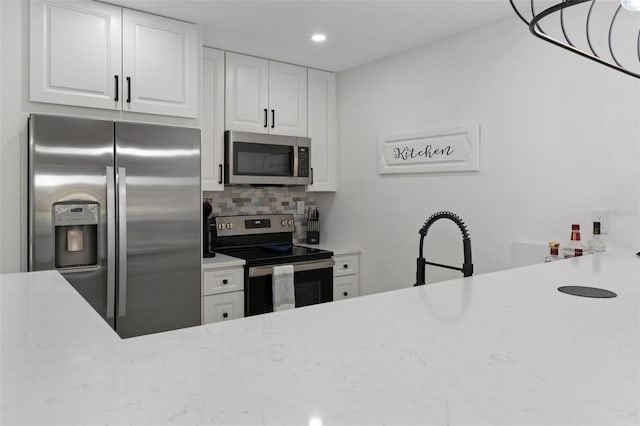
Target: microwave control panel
303,161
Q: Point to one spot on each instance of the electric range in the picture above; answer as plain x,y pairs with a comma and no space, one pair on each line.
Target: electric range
265,241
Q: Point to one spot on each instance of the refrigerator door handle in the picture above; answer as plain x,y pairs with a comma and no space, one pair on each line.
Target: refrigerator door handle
111,242
122,241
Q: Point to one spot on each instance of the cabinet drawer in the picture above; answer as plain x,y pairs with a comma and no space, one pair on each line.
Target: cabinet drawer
345,287
346,265
222,307
218,281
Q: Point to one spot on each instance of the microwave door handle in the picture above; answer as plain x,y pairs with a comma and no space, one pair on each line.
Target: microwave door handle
295,162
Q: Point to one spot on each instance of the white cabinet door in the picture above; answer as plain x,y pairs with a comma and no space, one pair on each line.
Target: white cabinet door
323,130
160,65
75,53
246,93
212,142
345,287
223,307
287,99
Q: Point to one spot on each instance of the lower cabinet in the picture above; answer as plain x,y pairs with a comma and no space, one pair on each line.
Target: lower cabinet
222,307
222,294
346,276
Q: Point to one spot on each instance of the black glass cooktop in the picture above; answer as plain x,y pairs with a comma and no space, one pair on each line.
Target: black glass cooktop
271,254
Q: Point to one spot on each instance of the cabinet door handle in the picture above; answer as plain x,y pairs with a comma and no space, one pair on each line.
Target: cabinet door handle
116,98
266,114
225,315
220,179
345,266
128,90
345,294
225,281
273,118
311,175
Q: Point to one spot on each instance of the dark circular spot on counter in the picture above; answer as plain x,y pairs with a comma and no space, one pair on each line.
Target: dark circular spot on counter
598,293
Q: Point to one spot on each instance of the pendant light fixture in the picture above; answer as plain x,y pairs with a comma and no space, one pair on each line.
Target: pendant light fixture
596,18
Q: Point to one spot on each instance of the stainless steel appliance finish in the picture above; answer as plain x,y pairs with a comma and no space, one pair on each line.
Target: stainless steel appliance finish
253,224
259,159
266,241
144,181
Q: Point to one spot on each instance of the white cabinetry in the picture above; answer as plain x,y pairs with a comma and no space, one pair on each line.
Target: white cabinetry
247,93
212,141
92,54
323,130
75,51
159,64
222,294
288,99
345,276
264,96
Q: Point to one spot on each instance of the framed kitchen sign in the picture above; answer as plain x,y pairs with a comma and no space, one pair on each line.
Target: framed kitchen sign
450,150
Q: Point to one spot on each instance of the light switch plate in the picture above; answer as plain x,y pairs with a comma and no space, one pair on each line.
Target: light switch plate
300,207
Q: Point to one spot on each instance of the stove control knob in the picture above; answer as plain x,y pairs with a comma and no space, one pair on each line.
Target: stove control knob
283,223
221,226
229,225
290,222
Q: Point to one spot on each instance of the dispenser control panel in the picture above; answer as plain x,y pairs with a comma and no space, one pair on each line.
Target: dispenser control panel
75,214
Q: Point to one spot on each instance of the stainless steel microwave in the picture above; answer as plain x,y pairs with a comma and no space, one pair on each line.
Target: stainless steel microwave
259,159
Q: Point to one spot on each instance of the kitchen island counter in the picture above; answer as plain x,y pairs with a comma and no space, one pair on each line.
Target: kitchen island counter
502,348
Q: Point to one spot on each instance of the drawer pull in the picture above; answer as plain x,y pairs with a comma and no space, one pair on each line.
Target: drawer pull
225,315
345,266
345,294
225,281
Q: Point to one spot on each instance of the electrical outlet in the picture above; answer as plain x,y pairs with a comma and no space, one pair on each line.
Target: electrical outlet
300,207
602,216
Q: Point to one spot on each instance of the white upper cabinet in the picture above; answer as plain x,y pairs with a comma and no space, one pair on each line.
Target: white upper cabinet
159,65
264,96
212,141
323,130
92,54
287,99
247,93
75,53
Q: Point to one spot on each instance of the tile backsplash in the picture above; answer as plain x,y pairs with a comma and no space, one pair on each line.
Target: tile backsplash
248,200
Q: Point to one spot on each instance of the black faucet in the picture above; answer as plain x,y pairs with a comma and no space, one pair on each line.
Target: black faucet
467,266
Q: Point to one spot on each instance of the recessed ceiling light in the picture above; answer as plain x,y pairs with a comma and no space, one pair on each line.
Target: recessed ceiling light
318,38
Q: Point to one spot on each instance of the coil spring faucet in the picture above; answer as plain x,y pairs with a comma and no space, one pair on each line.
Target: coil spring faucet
467,266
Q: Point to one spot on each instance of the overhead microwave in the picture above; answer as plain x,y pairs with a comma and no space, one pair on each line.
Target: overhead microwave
259,159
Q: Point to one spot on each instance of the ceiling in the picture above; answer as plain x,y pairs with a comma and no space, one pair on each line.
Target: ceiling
358,31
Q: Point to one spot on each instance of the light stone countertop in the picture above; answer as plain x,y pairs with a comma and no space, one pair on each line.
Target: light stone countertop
221,261
504,348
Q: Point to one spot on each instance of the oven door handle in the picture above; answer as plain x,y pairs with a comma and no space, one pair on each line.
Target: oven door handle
261,271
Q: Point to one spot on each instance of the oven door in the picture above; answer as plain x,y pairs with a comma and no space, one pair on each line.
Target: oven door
313,284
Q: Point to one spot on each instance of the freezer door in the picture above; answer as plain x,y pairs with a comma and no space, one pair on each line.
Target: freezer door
159,259
70,163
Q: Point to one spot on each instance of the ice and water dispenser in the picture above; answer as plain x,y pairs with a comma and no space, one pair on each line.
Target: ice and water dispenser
76,233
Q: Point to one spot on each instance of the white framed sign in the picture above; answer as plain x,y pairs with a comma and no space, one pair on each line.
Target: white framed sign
450,150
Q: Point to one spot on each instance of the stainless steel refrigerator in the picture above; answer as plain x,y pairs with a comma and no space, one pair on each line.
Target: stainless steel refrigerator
115,208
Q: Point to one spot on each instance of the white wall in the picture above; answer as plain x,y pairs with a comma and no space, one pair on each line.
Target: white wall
14,110
559,136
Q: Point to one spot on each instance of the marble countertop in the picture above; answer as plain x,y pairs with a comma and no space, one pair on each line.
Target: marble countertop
221,261
503,348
